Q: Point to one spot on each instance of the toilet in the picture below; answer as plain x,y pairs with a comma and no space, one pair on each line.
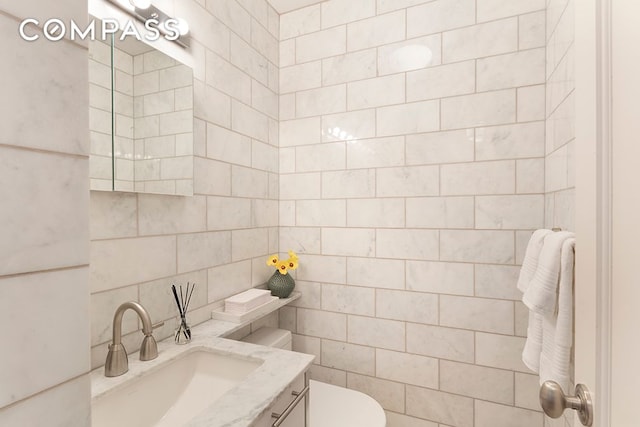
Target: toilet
329,405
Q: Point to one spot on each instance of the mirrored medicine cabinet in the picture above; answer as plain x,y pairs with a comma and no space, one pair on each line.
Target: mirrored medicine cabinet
141,119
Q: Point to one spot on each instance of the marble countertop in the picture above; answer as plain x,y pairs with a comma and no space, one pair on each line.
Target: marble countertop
240,406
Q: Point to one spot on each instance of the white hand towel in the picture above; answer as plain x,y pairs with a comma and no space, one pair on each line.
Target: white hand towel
530,262
557,335
533,346
541,294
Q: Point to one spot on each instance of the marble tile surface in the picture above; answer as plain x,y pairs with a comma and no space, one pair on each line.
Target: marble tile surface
379,333
36,120
349,67
115,263
349,184
348,241
435,405
300,132
328,213
222,74
376,31
300,22
478,178
376,92
500,351
440,212
440,277
244,56
408,306
348,299
378,152
410,55
249,243
322,101
59,406
477,314
350,357
389,394
407,244
300,77
532,30
489,10
441,81
322,324
247,182
440,15
307,185
316,268
440,147
482,246
340,12
203,250
324,157
349,126
400,420
389,5
510,212
41,356
32,241
165,215
300,239
524,140
410,118
482,109
408,181
329,375
490,414
407,368
375,272
495,385
321,44
511,70
436,341
480,40
249,121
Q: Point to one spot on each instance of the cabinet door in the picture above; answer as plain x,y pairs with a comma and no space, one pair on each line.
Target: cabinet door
297,417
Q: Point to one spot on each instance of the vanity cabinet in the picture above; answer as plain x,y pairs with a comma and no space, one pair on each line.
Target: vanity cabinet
297,417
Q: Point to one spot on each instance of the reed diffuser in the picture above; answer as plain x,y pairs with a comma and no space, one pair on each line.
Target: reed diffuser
183,332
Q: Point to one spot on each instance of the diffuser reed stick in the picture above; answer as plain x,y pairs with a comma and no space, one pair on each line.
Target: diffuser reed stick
182,302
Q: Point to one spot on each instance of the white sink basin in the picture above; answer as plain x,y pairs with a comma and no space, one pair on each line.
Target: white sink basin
174,393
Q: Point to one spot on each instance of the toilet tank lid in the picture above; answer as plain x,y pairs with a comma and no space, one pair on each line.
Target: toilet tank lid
270,337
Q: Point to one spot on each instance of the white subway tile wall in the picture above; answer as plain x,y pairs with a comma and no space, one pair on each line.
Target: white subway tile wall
559,174
406,149
44,248
560,116
218,238
412,173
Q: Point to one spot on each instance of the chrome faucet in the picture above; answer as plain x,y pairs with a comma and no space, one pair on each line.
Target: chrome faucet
117,361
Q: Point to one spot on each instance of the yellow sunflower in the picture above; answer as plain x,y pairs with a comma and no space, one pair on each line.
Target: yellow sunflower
282,268
292,263
272,261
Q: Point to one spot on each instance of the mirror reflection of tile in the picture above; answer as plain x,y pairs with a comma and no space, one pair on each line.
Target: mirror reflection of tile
152,128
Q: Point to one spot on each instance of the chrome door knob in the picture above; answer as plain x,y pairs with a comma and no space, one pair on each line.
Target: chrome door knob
554,401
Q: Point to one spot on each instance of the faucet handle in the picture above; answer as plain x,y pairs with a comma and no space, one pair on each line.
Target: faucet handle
157,325
149,348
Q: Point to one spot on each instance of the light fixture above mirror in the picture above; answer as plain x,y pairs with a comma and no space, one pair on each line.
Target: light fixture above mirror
173,28
141,4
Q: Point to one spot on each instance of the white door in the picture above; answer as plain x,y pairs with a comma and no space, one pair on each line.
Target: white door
607,348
